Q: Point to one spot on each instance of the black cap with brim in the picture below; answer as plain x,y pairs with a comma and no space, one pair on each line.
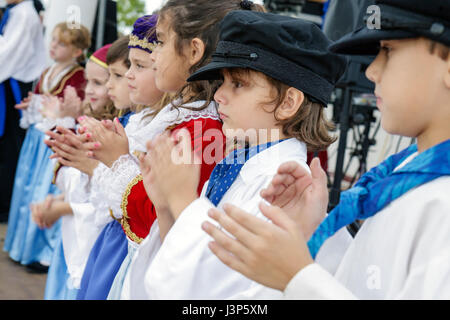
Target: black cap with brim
236,55
398,20
292,51
212,71
366,42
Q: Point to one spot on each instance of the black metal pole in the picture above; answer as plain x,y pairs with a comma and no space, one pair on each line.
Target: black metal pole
344,120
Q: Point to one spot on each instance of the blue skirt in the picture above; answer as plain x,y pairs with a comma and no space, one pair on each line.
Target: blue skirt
103,263
116,289
24,241
56,287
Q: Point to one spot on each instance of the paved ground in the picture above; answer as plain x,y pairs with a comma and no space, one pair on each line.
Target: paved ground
15,282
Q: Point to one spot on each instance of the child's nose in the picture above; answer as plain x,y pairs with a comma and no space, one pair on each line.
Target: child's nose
128,74
373,70
219,96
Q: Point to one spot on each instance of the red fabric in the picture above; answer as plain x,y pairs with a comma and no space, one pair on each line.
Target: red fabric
323,157
75,79
140,209
101,53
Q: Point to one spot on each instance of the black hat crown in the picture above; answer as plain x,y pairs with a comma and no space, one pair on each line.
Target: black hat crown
399,19
287,49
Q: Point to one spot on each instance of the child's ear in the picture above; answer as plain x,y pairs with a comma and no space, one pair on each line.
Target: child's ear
77,53
291,103
196,51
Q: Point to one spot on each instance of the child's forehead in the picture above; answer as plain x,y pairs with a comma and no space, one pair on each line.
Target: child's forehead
139,54
93,70
118,65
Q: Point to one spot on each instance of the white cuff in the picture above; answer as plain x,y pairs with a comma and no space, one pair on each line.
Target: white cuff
97,195
47,123
118,182
315,283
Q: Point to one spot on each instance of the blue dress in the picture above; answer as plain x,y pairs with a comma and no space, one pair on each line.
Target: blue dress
103,263
24,241
105,258
56,287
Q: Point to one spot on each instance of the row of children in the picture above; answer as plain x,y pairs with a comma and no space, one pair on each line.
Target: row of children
220,104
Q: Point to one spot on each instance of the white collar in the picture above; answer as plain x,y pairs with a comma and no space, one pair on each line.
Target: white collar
267,161
47,85
167,118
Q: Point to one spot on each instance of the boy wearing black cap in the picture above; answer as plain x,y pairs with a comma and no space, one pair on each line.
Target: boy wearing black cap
402,250
277,77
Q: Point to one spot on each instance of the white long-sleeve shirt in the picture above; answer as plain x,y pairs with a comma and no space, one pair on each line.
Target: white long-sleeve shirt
22,46
183,267
403,252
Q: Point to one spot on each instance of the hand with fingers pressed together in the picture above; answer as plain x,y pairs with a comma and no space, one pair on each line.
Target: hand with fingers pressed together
109,139
70,149
71,105
163,214
47,212
170,163
51,106
272,253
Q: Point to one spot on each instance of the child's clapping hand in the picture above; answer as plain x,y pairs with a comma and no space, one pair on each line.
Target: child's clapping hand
71,105
51,106
70,150
109,139
47,212
25,103
171,171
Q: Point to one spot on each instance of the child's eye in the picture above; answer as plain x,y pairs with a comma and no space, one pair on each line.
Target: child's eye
118,75
159,43
386,49
237,84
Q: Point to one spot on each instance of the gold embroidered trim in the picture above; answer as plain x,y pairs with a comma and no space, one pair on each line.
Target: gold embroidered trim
144,44
130,234
123,206
55,170
138,153
112,216
60,86
41,80
99,62
63,81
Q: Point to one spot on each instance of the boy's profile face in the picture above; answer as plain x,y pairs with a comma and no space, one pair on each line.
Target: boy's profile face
409,86
117,85
243,106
